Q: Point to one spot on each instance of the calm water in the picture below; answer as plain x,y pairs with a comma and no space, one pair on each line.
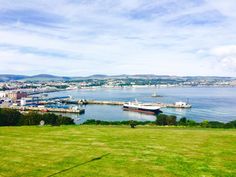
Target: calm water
207,103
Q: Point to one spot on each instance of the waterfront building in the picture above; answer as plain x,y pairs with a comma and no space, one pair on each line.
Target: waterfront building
23,102
5,103
17,95
3,94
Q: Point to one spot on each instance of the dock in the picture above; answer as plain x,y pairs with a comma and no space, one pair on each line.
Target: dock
170,105
84,102
44,109
120,103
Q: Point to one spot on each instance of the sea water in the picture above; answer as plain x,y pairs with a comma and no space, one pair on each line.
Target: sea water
218,104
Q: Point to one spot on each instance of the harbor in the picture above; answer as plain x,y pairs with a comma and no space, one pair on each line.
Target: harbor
107,103
71,107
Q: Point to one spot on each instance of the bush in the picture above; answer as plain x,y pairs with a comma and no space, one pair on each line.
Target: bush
231,124
132,124
215,124
61,120
101,122
204,123
171,120
191,123
50,118
182,121
32,118
163,119
9,117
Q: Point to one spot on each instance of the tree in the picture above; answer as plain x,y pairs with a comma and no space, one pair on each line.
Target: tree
32,118
171,120
215,124
161,119
231,124
204,123
61,120
132,124
182,121
191,123
50,118
9,117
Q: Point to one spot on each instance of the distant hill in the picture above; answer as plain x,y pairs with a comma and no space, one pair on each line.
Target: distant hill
40,77
48,77
8,77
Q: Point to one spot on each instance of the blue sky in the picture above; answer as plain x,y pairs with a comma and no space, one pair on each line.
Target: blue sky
84,37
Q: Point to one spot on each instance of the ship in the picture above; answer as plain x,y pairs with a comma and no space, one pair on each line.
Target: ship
142,108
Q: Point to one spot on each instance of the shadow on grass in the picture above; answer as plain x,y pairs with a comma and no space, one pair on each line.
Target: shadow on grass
94,159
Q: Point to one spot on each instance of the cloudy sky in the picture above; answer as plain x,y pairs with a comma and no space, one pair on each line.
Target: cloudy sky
84,37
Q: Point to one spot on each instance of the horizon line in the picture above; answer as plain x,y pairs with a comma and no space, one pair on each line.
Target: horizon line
113,75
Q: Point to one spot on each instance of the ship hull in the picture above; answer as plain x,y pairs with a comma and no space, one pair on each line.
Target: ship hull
142,110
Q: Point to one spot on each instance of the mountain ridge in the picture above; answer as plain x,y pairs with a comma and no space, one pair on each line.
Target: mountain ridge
50,77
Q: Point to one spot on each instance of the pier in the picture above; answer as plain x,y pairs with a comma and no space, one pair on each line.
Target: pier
84,102
170,105
120,103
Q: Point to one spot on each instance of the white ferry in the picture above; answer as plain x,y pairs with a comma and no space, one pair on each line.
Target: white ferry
140,107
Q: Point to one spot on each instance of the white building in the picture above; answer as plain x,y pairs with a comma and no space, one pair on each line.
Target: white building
23,102
3,94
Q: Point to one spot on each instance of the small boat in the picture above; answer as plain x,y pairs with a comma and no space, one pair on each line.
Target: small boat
43,95
181,104
142,108
155,94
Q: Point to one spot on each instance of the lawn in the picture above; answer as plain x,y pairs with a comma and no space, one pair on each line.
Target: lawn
116,151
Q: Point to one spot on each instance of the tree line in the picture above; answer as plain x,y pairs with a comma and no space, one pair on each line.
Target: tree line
11,117
166,120
163,119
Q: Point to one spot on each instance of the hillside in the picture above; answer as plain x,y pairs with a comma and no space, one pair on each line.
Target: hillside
48,77
116,151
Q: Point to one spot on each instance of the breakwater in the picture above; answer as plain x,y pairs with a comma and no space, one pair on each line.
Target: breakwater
121,103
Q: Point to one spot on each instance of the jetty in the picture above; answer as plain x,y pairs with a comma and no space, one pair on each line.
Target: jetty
45,109
180,105
171,105
105,102
84,102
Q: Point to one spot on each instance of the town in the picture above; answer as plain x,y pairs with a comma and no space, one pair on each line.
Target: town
49,83
22,92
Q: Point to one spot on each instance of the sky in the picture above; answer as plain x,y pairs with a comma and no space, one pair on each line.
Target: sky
85,37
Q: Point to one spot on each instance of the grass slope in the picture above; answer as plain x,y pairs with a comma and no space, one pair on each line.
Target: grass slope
116,151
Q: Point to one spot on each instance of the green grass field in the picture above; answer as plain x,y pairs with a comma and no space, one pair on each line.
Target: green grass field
116,151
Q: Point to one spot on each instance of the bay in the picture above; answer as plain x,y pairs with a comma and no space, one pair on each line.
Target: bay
213,104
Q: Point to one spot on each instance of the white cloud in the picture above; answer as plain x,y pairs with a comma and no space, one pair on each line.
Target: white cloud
229,62
223,51
227,8
226,56
115,37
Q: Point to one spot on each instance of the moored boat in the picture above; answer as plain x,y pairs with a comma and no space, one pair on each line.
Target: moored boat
181,104
142,108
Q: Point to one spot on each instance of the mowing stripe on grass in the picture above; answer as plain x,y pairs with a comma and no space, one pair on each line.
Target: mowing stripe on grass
94,159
